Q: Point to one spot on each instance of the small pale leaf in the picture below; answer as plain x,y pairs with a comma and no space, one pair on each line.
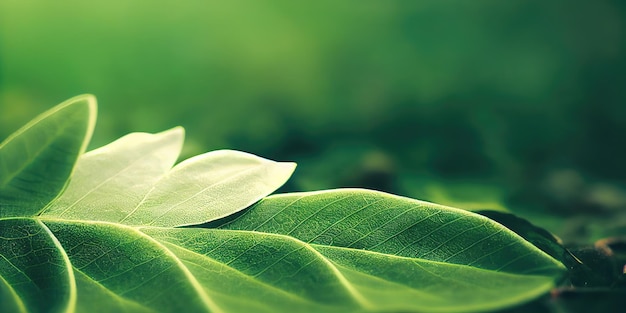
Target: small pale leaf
111,181
208,187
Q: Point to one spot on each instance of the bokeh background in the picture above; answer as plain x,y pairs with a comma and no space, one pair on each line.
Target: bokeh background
517,105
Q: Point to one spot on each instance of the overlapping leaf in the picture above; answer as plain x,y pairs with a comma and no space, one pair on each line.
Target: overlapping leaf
131,182
37,160
110,242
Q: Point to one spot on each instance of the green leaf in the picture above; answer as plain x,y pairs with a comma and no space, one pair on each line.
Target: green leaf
207,187
350,226
37,160
131,182
379,222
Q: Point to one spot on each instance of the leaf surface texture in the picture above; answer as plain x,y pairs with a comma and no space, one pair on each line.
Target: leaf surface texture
112,234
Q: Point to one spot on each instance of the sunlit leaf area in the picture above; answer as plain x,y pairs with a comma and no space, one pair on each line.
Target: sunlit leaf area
452,156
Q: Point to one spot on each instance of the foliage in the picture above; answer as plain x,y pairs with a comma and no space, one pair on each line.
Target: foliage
515,106
118,229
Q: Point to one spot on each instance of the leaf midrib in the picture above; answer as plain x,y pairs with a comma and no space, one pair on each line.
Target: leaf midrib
414,205
432,262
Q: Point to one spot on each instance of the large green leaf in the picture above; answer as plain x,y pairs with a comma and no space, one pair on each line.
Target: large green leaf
226,270
351,226
110,243
379,222
37,160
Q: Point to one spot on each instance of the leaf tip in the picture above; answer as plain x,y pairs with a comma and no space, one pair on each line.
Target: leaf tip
91,107
288,166
178,132
88,100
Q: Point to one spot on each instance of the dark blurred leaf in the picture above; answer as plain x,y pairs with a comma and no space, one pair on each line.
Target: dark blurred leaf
538,236
588,267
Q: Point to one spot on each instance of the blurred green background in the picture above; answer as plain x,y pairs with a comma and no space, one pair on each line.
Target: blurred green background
477,104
